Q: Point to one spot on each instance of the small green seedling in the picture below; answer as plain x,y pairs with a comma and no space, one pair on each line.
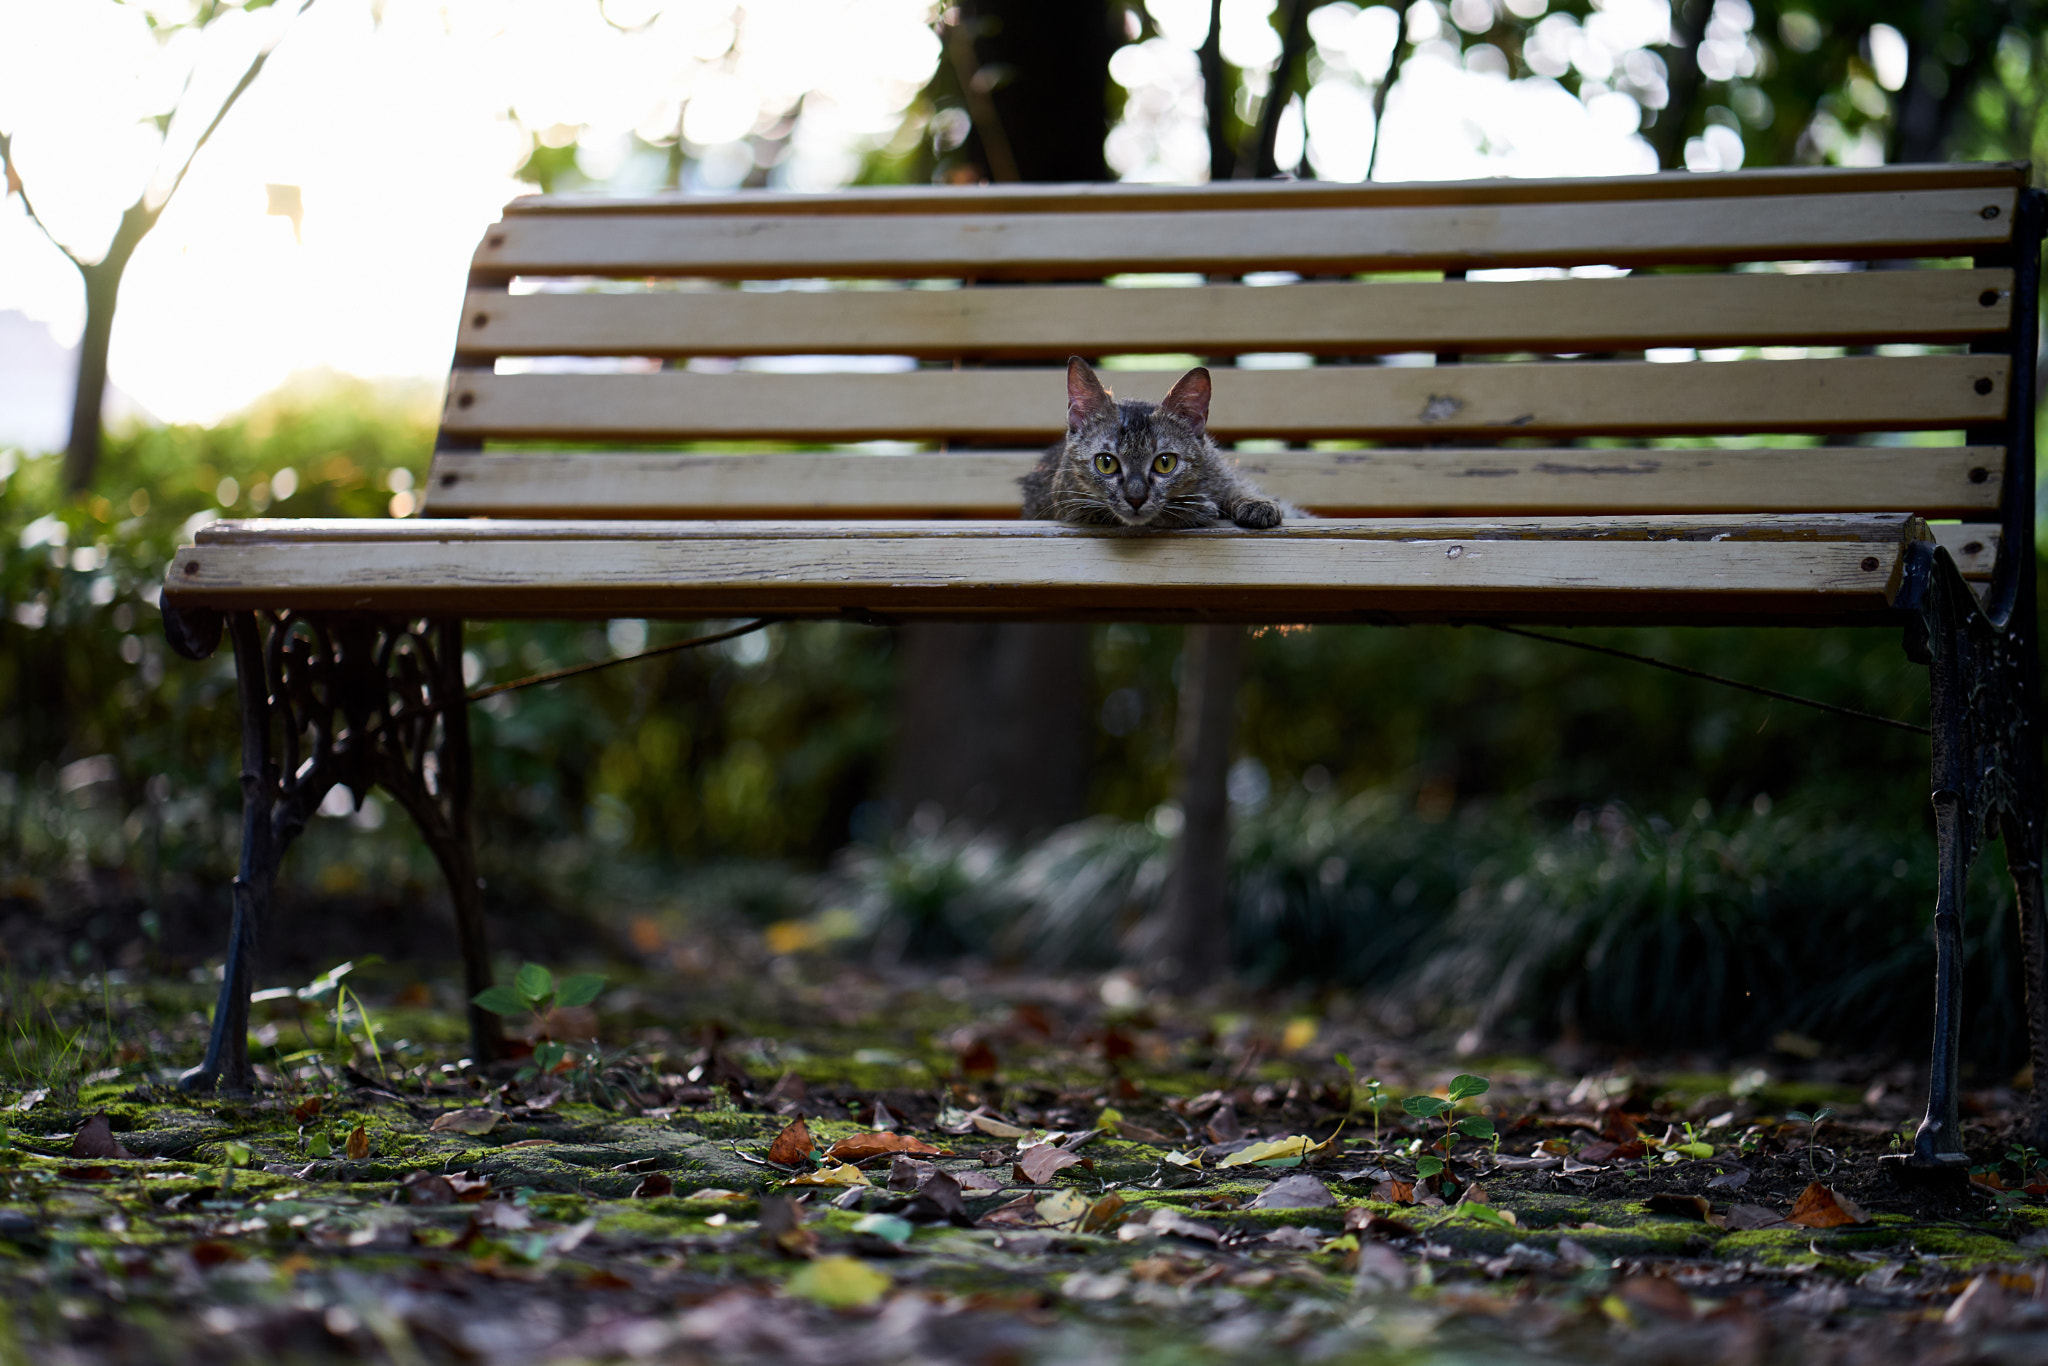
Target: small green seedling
1463,1087
1376,1097
535,992
1813,1123
331,984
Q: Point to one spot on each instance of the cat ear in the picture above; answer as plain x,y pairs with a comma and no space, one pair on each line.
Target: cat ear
1188,399
1086,398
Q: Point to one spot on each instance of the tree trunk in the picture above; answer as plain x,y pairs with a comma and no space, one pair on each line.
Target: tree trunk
1192,942
1047,62
1261,161
1216,97
102,293
993,719
1682,67
992,725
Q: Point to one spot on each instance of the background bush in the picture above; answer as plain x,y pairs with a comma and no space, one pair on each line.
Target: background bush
1417,799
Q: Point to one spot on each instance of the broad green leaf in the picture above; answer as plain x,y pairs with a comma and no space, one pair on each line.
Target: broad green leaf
838,1283
1464,1086
1427,1167
1487,1214
892,1228
1476,1126
1798,1117
1694,1149
1343,1060
579,990
534,984
499,1000
1425,1107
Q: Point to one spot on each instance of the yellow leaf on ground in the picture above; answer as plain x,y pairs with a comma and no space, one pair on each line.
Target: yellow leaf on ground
1064,1209
1299,1034
1273,1150
832,1174
472,1121
358,1146
838,1283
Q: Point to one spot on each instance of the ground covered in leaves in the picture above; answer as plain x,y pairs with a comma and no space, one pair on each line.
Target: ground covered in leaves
788,1159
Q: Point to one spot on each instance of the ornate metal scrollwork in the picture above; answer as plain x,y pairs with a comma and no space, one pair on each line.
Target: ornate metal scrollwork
1987,782
354,701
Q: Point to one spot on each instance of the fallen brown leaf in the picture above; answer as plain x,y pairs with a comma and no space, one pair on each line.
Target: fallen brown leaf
906,1173
358,1145
96,1139
1819,1206
1359,1219
1299,1191
977,1059
782,1228
861,1147
307,1110
1685,1207
1742,1217
1019,1213
938,1198
428,1188
654,1185
1657,1295
1395,1192
793,1146
87,1173
1037,1163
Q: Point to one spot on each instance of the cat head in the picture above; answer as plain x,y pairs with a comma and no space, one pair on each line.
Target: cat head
1132,458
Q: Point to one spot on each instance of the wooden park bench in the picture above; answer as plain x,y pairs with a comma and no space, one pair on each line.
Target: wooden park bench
1476,449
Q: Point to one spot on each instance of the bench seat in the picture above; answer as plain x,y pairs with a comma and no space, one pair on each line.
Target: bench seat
1770,567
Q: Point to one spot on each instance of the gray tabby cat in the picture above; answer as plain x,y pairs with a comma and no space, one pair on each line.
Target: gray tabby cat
1139,464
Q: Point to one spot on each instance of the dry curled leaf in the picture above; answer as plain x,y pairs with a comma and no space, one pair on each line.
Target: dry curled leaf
96,1139
358,1145
1820,1206
307,1110
1300,1191
793,1146
1037,1163
1743,1217
429,1188
782,1228
654,1185
1359,1219
1685,1207
861,1147
475,1120
832,1174
1395,1192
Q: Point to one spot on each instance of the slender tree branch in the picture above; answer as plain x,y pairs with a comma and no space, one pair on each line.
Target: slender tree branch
256,66
20,187
1293,44
1216,98
1379,99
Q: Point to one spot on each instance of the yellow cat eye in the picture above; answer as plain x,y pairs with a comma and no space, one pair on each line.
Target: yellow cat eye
1106,463
1165,463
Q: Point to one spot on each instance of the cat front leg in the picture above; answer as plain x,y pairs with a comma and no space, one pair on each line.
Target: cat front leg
1259,514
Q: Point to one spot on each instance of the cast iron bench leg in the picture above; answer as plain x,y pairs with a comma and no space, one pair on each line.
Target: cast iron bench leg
373,702
1987,780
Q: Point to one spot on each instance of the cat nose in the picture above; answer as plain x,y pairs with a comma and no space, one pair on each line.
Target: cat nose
1135,491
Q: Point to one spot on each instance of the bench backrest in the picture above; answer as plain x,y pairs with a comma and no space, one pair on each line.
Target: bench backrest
1805,331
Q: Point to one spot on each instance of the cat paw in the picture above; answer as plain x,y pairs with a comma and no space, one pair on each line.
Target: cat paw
1258,514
